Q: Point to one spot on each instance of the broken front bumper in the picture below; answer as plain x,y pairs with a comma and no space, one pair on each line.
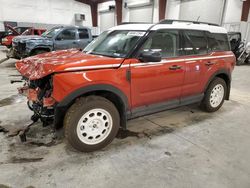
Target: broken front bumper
33,96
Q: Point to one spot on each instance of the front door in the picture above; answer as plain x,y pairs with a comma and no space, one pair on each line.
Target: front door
66,39
156,83
84,38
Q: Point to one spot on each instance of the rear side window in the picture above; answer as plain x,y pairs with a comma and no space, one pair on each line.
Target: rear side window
218,42
164,41
83,33
194,42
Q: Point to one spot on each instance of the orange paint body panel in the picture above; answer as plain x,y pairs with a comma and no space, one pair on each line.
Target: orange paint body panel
66,83
39,66
32,94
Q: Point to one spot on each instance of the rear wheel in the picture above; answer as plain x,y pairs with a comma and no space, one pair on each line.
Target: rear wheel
91,123
214,95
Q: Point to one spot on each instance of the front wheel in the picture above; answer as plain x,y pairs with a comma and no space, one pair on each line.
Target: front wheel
214,95
91,123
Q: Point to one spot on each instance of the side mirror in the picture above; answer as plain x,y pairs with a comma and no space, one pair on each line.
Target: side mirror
150,56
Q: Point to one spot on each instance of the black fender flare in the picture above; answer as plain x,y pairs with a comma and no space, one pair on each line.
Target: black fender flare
62,106
221,71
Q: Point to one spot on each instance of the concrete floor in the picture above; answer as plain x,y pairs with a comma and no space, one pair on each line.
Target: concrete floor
184,147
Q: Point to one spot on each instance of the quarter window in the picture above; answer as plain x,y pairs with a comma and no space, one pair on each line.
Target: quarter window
194,43
218,42
164,41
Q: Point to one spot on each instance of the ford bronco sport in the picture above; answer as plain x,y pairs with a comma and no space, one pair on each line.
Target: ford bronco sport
129,71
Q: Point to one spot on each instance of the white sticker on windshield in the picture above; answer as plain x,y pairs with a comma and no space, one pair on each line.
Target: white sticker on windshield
136,33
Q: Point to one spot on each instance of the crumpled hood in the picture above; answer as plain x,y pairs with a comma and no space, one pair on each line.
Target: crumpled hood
39,66
30,38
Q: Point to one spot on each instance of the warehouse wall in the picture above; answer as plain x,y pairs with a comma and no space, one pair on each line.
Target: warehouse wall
136,13
106,18
233,11
202,10
173,9
44,11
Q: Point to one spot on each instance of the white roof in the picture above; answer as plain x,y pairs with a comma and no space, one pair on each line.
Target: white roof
133,27
174,25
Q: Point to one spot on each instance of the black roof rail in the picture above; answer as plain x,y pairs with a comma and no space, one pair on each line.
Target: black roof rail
167,21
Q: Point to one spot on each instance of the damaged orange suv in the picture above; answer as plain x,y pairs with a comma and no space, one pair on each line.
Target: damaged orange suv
129,71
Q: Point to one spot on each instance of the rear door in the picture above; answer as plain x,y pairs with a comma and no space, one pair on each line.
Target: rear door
85,37
157,82
204,56
66,39
195,53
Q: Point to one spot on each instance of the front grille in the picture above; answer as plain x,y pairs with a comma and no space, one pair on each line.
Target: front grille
20,47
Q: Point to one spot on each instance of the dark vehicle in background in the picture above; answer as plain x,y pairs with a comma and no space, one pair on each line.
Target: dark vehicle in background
244,50
241,49
235,41
57,38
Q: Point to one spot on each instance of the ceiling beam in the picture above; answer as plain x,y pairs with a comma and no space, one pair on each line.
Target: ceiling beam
89,2
102,1
245,10
85,1
162,9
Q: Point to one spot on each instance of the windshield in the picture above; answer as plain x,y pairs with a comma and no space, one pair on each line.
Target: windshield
114,43
50,33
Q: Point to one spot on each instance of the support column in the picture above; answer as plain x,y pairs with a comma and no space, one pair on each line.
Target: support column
162,9
245,10
118,9
94,13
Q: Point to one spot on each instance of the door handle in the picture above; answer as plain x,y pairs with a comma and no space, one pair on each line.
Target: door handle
74,42
209,63
174,67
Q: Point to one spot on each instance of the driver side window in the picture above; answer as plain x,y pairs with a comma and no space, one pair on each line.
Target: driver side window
164,41
67,34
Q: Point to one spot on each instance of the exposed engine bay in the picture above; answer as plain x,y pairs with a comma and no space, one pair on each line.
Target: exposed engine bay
40,100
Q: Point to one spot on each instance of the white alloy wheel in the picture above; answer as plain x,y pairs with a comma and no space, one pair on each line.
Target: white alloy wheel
94,126
217,95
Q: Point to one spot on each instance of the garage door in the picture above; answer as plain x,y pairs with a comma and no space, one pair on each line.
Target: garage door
191,10
141,14
107,20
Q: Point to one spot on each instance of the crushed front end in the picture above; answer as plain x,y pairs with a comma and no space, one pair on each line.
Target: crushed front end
40,100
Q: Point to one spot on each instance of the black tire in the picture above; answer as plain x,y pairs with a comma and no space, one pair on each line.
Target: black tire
206,102
39,51
81,107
